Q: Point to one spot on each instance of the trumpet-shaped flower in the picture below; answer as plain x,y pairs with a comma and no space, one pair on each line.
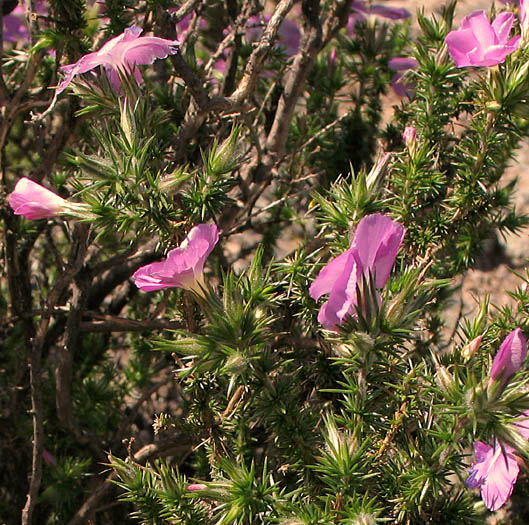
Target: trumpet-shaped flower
479,43
509,358
121,53
35,201
495,472
183,266
373,249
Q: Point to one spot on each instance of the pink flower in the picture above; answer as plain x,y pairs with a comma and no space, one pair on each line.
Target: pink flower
361,10
480,43
373,249
34,201
509,358
121,53
401,65
183,266
495,472
15,28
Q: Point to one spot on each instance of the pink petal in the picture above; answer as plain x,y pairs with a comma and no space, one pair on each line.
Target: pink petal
342,296
496,54
460,43
402,63
401,87
34,201
183,266
482,29
522,425
329,274
502,26
378,239
495,471
502,475
146,50
509,358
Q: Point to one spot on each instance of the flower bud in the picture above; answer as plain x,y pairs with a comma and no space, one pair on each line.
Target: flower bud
444,379
509,358
197,486
35,202
378,173
332,58
409,135
471,348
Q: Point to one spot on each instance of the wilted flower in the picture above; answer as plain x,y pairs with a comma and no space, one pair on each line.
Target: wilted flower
34,202
509,358
480,43
184,265
121,54
373,249
495,472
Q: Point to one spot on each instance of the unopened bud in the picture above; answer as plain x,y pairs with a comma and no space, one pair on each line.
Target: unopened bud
377,174
225,157
471,348
332,58
409,135
127,124
236,364
197,486
444,379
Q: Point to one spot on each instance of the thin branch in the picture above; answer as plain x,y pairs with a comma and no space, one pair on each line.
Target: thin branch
4,94
111,323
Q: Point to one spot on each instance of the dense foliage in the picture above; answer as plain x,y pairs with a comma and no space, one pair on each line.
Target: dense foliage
219,397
